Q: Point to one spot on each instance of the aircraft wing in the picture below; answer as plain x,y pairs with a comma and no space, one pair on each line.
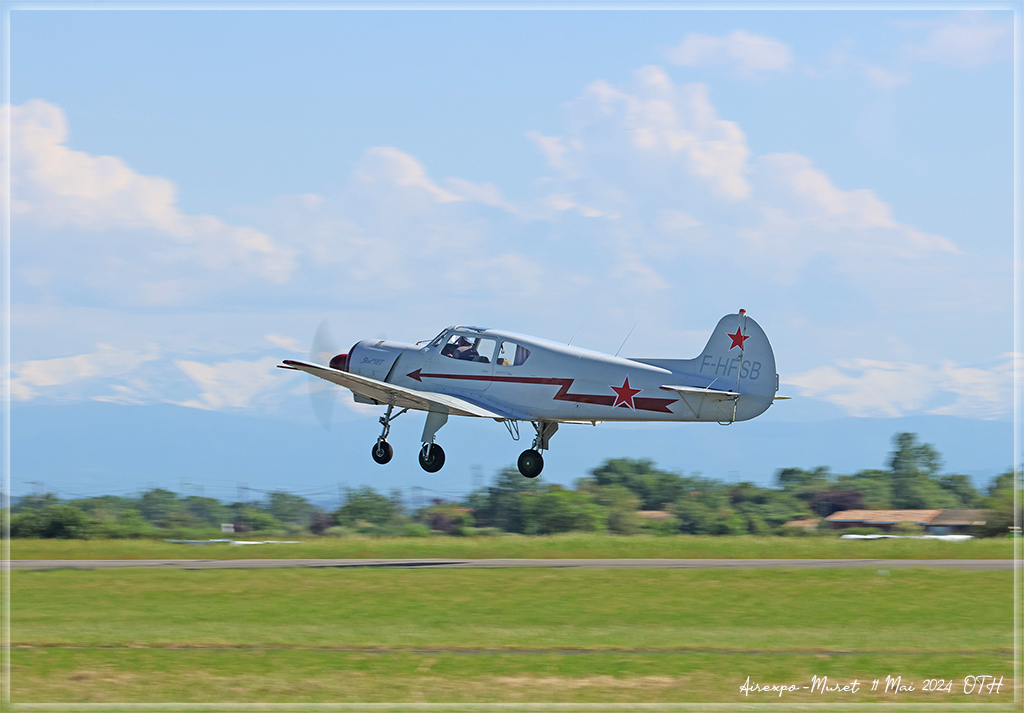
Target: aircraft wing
399,396
714,394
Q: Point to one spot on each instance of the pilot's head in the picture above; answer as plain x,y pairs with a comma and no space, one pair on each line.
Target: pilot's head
463,342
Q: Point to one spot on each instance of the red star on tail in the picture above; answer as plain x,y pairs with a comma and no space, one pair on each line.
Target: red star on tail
624,394
737,340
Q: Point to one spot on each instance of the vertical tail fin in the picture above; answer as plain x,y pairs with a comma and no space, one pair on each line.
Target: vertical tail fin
738,357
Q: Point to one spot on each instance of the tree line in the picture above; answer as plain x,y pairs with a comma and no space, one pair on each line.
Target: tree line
622,496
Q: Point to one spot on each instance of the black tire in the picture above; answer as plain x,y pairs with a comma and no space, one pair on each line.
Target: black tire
435,461
382,452
531,463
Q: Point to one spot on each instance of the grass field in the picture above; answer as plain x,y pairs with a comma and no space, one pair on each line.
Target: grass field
513,546
574,636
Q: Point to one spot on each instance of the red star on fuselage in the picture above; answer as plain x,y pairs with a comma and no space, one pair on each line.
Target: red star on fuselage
624,394
737,339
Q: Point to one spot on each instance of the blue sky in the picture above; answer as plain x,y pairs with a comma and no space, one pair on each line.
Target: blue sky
193,191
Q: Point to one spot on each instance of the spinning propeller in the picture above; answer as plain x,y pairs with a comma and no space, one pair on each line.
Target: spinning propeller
323,394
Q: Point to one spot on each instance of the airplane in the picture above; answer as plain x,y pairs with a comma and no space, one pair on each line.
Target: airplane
512,378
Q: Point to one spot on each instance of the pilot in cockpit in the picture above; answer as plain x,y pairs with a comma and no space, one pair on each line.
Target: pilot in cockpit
460,348
465,350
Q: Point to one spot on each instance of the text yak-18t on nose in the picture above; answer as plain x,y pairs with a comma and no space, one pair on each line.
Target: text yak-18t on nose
490,373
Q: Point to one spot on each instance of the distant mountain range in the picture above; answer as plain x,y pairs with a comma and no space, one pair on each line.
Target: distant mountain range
93,448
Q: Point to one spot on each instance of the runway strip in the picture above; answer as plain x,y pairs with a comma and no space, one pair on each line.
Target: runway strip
999,564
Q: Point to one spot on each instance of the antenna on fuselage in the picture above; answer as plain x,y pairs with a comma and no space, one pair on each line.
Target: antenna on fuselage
569,343
626,339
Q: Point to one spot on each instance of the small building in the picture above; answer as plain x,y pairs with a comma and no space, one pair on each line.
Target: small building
934,522
950,522
803,523
882,519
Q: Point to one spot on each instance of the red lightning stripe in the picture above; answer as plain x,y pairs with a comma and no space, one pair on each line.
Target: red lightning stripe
641,404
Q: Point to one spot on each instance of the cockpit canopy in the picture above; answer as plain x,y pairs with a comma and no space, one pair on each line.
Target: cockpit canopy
474,344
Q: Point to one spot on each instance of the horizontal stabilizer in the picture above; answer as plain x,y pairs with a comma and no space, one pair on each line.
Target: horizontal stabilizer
714,394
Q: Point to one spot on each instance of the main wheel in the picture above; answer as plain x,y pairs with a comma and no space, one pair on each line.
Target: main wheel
531,463
382,452
434,461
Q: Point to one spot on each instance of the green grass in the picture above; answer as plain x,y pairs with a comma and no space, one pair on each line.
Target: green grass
834,610
576,545
301,635
42,675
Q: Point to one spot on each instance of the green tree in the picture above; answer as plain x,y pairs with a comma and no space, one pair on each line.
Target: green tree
654,487
289,508
620,504
500,504
34,502
959,486
1000,504
367,505
913,465
157,504
64,522
874,485
207,511
247,518
127,524
798,480
560,510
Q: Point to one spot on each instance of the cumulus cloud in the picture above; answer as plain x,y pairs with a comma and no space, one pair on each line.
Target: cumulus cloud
804,214
673,127
386,164
872,388
230,384
657,157
882,78
56,187
748,55
284,342
53,377
971,39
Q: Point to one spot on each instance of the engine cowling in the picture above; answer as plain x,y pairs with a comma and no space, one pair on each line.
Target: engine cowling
373,358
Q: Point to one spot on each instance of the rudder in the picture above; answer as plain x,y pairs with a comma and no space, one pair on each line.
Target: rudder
738,357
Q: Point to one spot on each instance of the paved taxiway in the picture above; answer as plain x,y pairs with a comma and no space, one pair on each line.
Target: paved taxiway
1001,564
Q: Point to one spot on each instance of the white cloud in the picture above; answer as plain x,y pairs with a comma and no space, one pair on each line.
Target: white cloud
803,214
389,165
882,78
970,40
285,342
658,158
552,148
872,388
663,123
56,187
747,54
32,378
231,384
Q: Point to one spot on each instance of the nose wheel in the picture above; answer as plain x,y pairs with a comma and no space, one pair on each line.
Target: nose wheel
382,452
531,463
431,457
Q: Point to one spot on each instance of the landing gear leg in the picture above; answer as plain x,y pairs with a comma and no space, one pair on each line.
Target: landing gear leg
432,455
531,462
382,450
